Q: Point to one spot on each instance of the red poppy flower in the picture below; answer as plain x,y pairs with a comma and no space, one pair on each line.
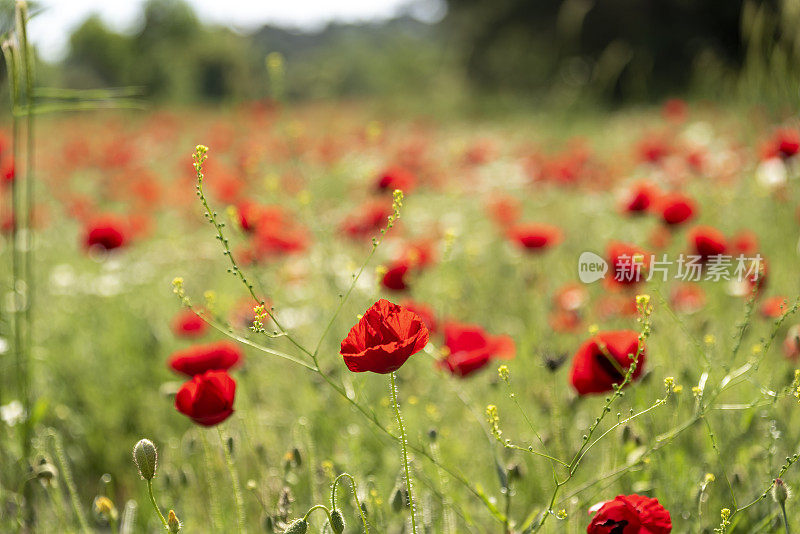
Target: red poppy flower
774,307
395,276
628,263
425,313
383,339
249,215
745,242
639,197
106,232
471,348
687,298
368,220
631,514
652,149
676,208
785,143
707,241
603,361
535,237
188,324
791,343
8,171
207,398
505,210
219,356
396,178
564,320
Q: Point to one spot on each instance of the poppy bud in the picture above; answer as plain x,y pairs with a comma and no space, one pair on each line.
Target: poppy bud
298,526
298,459
173,523
780,491
146,458
337,521
229,443
268,524
398,499
433,434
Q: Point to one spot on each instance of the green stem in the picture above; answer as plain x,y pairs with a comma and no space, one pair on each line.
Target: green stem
785,519
355,496
211,484
237,489
155,504
404,449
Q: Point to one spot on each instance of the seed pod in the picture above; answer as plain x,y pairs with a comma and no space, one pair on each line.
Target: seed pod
146,458
298,526
337,521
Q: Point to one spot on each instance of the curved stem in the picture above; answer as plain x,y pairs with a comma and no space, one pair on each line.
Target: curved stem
355,496
404,449
237,490
155,505
317,507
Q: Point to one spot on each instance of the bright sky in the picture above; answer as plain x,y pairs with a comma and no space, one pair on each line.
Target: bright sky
50,29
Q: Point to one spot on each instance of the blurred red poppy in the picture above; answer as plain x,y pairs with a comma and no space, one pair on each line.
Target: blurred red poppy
188,324
631,514
425,313
535,237
195,360
707,241
106,232
207,398
639,197
471,348
368,220
676,208
774,307
603,361
396,177
628,264
687,298
395,276
383,339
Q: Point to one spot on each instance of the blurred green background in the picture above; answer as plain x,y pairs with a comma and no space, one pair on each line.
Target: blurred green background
552,51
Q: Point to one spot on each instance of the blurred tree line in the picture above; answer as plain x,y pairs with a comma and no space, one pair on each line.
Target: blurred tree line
568,49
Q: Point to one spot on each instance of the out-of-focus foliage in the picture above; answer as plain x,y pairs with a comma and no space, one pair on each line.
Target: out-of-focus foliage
566,50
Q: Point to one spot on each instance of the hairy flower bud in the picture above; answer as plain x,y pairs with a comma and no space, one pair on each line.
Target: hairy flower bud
146,458
173,523
298,526
337,521
780,491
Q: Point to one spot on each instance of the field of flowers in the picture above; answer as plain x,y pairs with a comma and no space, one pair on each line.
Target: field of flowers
575,316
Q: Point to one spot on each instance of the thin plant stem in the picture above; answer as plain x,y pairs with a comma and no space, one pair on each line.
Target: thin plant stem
211,484
155,504
403,448
237,489
785,518
67,474
355,496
